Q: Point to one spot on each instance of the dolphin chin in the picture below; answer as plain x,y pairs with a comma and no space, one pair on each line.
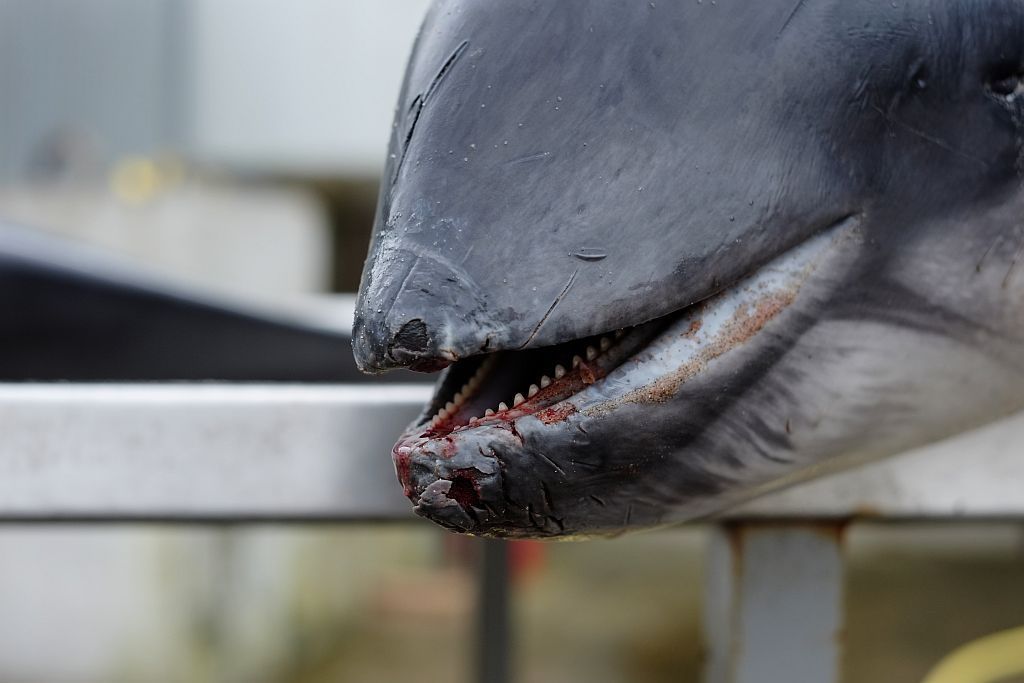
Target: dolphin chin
500,414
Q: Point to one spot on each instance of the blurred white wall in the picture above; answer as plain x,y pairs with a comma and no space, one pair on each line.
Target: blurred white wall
303,87
101,100
84,82
306,86
263,244
96,89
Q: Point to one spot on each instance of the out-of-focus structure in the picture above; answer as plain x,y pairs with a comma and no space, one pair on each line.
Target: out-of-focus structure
235,146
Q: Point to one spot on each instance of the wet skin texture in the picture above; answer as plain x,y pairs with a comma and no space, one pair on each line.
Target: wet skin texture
788,231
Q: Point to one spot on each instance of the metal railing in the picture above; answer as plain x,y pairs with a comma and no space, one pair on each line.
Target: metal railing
235,453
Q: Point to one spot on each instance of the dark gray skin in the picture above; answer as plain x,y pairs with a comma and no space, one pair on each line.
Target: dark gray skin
806,216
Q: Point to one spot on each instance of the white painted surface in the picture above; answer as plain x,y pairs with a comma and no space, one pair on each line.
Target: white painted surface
202,451
241,451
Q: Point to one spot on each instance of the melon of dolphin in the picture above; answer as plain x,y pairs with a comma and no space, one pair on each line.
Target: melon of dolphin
671,255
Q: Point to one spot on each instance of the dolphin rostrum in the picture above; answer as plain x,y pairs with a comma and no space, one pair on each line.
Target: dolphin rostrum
672,255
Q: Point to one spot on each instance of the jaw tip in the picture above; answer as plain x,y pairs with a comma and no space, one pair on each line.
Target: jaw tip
377,348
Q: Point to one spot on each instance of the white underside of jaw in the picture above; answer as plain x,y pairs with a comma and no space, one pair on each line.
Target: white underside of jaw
729,320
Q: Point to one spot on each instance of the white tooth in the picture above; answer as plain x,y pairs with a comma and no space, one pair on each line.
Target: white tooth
449,407
457,400
591,353
442,415
502,406
488,412
517,400
532,390
619,333
559,372
545,382
474,420
606,343
576,360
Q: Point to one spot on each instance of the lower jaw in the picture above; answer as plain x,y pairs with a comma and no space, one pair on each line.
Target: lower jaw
671,352
585,362
697,333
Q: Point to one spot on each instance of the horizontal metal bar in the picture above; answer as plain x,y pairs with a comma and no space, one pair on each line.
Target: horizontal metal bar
977,474
202,451
196,451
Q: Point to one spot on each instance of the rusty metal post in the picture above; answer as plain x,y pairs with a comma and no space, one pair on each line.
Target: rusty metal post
774,605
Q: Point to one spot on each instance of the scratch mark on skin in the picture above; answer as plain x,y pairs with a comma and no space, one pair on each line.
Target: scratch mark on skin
789,18
457,272
981,261
445,68
862,88
598,500
528,158
548,500
558,300
930,138
1013,262
584,464
408,274
554,465
420,101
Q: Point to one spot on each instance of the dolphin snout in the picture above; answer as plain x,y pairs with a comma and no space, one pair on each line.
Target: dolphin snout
423,314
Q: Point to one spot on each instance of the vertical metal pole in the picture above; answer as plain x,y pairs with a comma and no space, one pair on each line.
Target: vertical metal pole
774,605
493,614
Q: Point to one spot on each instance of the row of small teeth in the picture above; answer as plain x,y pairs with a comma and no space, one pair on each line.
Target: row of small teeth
460,396
591,353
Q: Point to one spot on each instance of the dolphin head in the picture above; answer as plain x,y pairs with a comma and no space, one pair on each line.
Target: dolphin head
675,254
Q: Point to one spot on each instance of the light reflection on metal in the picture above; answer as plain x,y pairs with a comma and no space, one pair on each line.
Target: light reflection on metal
300,452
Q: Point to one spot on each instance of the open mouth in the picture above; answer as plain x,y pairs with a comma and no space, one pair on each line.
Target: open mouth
473,464
499,388
504,386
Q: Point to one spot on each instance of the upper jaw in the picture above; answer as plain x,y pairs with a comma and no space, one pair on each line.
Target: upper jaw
517,476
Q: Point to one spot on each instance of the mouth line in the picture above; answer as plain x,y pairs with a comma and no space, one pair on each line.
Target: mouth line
501,387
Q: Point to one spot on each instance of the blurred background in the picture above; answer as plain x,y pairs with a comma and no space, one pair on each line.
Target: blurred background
235,145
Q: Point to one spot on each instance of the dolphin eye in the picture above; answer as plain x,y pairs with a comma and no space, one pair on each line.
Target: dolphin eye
1006,82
